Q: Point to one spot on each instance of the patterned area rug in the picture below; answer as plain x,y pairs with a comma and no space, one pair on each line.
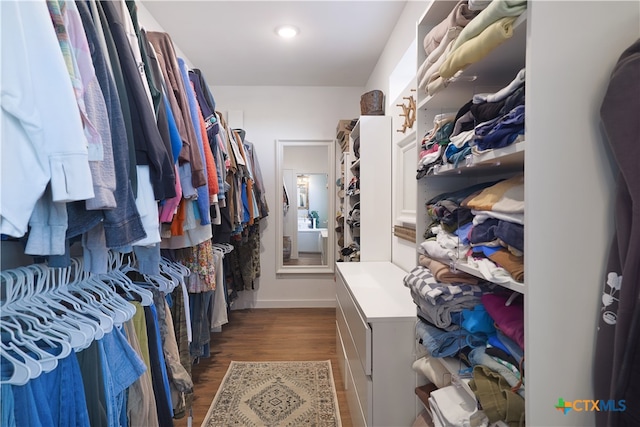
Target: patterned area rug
270,394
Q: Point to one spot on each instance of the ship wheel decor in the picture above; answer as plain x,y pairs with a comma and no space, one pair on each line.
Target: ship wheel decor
408,112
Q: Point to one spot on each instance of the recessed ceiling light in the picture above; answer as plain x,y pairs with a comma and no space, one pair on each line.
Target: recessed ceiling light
287,31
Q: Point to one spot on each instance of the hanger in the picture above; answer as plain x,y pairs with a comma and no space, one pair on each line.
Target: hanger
66,284
28,345
37,316
174,270
511,298
67,319
24,353
20,374
103,297
123,282
180,269
57,347
156,281
225,247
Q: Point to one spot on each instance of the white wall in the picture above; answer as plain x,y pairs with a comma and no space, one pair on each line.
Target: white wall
149,23
272,113
403,35
388,75
570,189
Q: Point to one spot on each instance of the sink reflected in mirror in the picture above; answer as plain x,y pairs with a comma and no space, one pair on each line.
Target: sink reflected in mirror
306,172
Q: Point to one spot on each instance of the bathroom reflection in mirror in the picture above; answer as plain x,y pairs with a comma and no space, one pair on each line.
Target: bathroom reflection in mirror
303,191
305,222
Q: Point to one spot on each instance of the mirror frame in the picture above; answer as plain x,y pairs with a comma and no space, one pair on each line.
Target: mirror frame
281,144
405,213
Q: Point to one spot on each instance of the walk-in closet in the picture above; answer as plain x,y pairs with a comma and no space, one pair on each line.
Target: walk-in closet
330,213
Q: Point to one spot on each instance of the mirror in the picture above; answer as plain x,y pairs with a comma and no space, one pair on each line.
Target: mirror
303,191
405,195
305,223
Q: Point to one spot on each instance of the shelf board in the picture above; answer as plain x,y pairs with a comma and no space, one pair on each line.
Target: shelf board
490,74
355,165
512,284
355,132
498,160
454,368
435,13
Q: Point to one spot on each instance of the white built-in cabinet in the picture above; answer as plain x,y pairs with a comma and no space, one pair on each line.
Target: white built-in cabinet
375,344
568,53
488,75
371,165
375,315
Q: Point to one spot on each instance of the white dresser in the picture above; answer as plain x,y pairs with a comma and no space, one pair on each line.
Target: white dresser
375,329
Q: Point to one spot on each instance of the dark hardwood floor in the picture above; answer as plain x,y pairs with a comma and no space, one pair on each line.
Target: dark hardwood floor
305,258
267,335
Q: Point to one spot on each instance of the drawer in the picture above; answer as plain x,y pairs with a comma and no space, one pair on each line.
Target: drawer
358,418
341,354
359,380
358,327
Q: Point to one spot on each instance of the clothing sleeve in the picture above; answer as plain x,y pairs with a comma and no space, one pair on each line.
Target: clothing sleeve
96,120
149,147
42,136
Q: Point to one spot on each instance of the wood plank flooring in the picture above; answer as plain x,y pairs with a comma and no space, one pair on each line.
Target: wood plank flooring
267,335
305,258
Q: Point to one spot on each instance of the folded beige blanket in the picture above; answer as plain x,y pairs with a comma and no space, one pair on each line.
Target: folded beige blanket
493,12
437,57
434,370
506,196
478,47
459,16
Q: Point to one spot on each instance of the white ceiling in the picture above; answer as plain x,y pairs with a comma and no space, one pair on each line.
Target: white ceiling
234,42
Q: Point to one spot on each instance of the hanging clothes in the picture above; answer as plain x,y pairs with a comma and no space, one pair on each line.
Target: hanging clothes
219,315
141,400
38,141
617,357
54,398
122,225
163,45
149,147
159,375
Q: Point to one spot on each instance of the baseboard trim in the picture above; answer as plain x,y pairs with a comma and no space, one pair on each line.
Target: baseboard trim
295,303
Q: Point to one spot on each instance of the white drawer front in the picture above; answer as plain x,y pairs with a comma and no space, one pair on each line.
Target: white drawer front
359,380
341,353
357,412
360,330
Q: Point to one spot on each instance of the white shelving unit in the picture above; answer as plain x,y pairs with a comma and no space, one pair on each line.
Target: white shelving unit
566,169
346,201
488,75
375,315
509,284
373,164
374,334
507,158
375,184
